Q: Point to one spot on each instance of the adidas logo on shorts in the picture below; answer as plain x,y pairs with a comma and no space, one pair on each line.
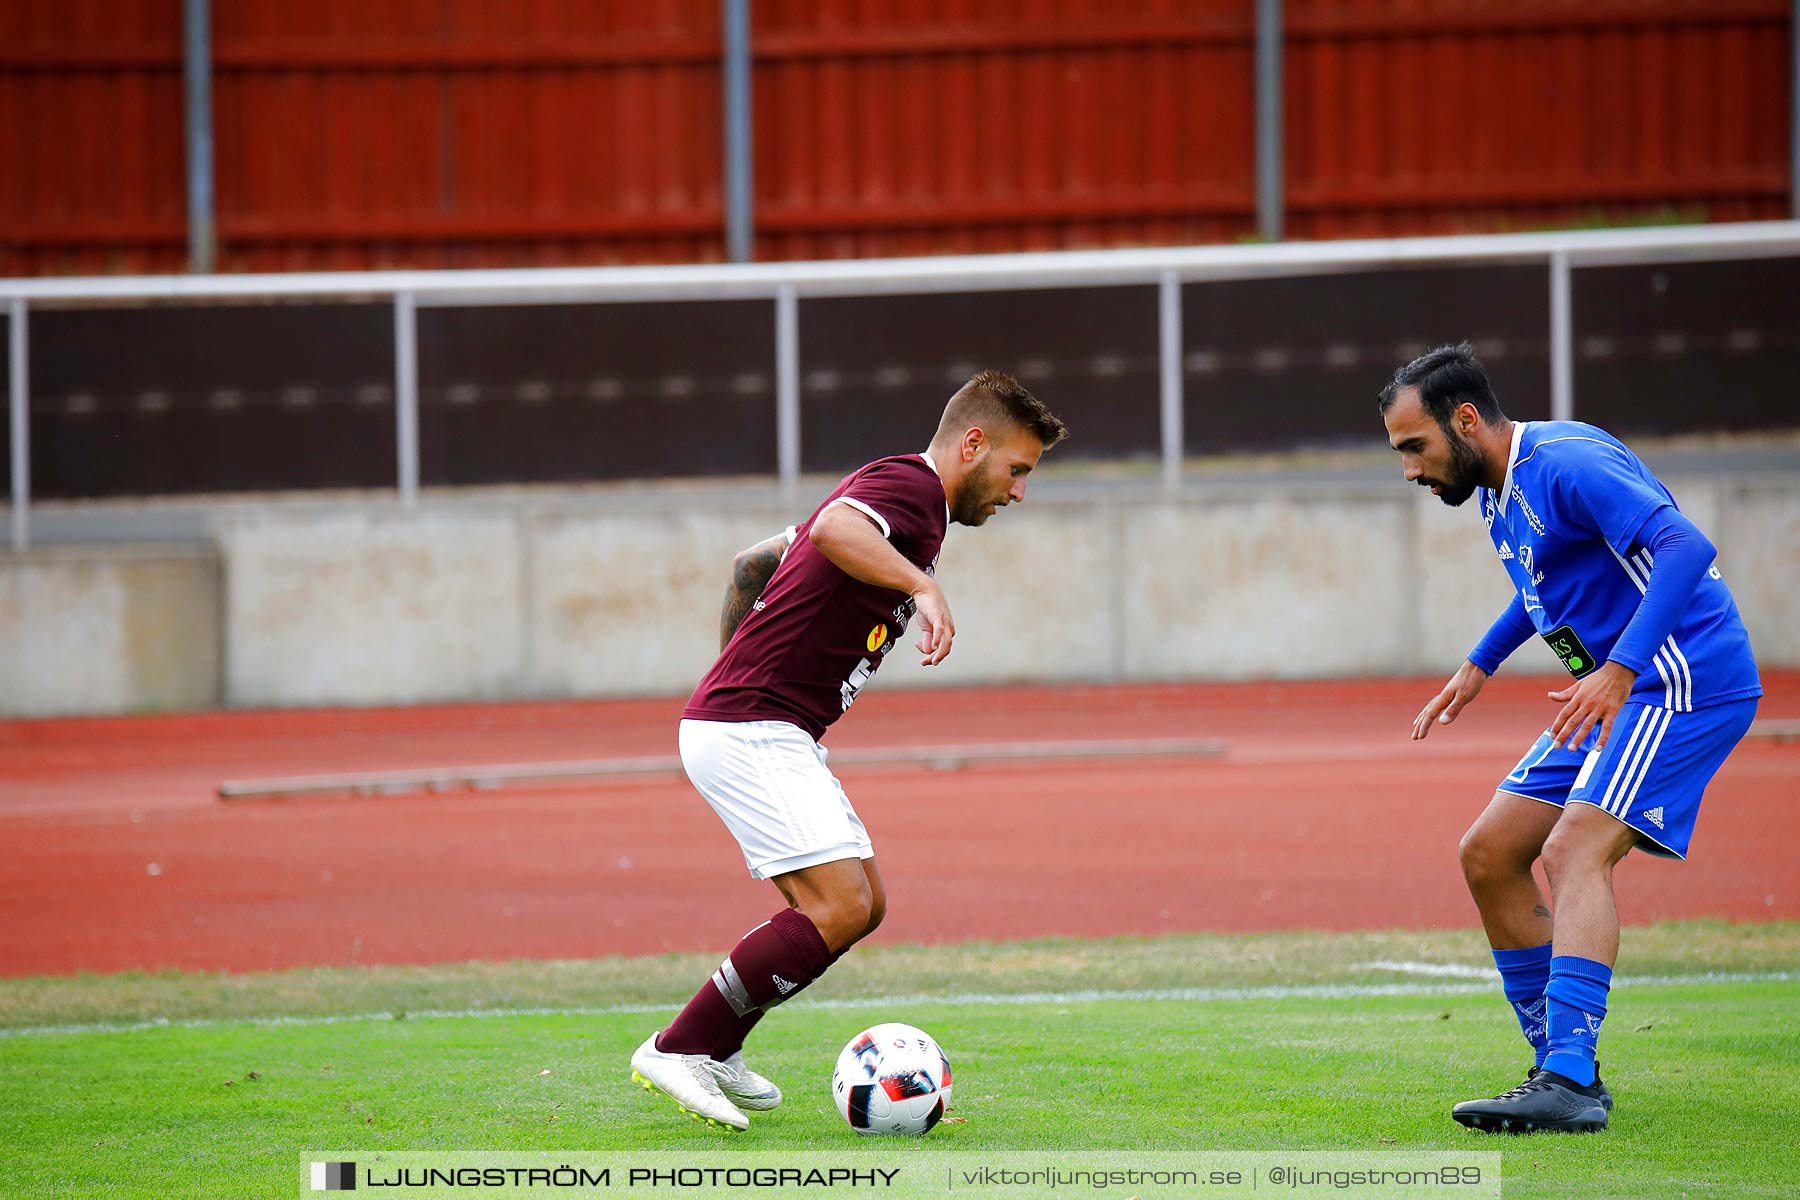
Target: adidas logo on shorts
1654,816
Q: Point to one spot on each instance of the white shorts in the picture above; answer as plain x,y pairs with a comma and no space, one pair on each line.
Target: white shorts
768,782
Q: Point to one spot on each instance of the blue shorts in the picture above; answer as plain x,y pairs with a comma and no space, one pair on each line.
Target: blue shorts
1650,775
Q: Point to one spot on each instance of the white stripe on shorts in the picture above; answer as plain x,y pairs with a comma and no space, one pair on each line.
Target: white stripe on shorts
1631,766
1644,771
1625,754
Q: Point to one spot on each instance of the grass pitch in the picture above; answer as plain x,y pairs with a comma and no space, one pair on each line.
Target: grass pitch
209,1085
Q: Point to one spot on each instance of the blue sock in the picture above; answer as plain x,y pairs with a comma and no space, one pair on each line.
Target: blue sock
1525,974
1577,995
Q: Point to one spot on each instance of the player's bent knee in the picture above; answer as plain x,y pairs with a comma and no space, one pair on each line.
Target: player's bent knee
1570,851
1487,859
1476,860
842,918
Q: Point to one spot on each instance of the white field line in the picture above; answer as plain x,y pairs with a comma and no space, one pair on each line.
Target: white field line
1447,970
1324,991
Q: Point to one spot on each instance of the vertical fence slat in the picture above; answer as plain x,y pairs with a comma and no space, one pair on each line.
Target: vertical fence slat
1169,345
406,395
787,392
18,406
1794,112
198,88
739,149
1270,167
1562,340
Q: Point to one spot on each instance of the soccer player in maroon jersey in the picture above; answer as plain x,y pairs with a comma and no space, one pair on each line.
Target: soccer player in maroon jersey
809,617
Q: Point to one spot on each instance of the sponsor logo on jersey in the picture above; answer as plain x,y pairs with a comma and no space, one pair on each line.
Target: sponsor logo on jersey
1506,550
1567,646
1531,518
850,687
1529,562
878,637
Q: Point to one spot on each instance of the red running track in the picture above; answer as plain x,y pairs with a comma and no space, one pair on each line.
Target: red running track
1322,816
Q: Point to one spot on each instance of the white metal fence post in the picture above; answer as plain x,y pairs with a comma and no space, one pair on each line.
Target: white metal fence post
1169,343
1562,341
19,409
787,392
406,395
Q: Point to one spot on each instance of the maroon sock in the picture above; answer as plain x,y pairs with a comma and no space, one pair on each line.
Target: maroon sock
734,1041
774,961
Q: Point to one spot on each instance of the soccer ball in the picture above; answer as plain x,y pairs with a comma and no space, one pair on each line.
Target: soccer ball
892,1078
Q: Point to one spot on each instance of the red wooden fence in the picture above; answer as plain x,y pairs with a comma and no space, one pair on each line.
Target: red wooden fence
372,133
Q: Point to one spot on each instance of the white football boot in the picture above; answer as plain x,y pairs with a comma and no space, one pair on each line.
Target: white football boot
691,1081
745,1087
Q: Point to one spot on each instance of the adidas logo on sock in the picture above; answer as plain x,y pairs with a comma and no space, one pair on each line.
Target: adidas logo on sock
783,985
1654,816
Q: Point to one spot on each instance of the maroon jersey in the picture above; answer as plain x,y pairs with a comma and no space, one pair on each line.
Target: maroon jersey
816,635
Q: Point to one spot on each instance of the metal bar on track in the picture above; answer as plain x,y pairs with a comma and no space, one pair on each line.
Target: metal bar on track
955,757
739,149
18,406
406,396
787,393
196,69
1270,168
948,273
1169,344
1562,341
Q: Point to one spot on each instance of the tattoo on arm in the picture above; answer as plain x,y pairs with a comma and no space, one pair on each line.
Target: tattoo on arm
1541,911
750,574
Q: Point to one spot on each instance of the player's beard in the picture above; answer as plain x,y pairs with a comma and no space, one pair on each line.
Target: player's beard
1465,471
969,506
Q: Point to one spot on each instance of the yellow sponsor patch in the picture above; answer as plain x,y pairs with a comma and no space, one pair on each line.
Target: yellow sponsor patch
877,638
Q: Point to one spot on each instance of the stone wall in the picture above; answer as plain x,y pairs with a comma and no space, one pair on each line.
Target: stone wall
473,602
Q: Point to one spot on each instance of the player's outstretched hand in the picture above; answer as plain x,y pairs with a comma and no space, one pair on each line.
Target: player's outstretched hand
1593,698
1463,687
935,626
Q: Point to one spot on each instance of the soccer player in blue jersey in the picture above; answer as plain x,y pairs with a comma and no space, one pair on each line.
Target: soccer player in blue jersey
1622,586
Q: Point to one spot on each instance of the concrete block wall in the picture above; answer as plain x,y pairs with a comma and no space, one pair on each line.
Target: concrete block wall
1756,526
109,630
371,609
1233,582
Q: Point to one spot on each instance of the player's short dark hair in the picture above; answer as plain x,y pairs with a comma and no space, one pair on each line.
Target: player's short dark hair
1447,378
991,396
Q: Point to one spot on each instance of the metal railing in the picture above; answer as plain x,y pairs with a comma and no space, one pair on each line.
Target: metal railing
785,284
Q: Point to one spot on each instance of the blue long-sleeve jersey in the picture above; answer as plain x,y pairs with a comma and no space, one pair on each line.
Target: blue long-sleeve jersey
1575,524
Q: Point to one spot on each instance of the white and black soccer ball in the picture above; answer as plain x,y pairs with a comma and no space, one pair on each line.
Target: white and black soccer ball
892,1078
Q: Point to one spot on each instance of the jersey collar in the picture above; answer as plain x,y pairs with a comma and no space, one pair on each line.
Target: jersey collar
1511,461
926,455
